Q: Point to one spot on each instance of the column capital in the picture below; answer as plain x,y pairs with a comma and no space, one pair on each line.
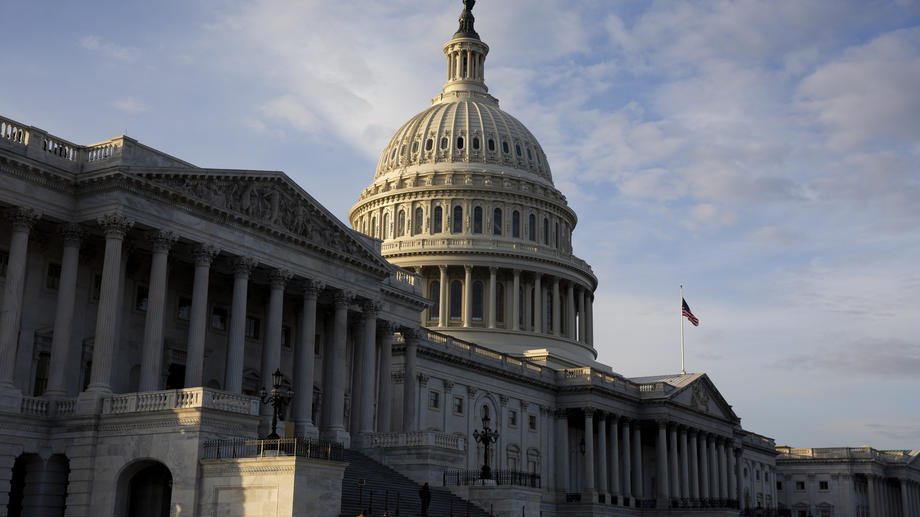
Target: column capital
561,413
410,334
467,267
243,266
503,400
22,218
442,267
312,287
162,241
493,269
71,234
371,307
662,422
386,326
204,254
279,278
343,297
589,411
471,391
115,225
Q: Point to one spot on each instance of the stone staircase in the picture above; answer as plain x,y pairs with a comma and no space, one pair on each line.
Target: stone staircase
385,483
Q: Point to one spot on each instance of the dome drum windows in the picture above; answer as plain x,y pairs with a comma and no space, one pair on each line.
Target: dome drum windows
532,227
545,231
516,224
457,220
497,222
400,223
437,220
417,221
434,295
477,220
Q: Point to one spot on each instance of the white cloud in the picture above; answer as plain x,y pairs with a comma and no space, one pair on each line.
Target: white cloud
110,50
130,105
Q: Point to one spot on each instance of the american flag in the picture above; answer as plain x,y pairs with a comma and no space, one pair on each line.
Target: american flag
689,315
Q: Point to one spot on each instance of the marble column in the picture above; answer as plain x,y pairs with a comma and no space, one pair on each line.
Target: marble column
557,308
589,486
705,494
22,220
271,346
152,351
684,465
673,467
614,453
198,315
62,346
627,462
714,484
694,467
467,295
516,301
537,304
570,311
562,450
369,319
661,456
637,478
236,339
528,307
115,226
493,303
385,377
733,474
334,395
443,306
723,470
410,381
871,495
905,500
602,453
305,363
582,319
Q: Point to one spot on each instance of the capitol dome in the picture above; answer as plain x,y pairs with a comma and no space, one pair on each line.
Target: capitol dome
463,195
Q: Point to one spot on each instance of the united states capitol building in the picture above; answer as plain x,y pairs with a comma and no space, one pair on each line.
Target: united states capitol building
147,303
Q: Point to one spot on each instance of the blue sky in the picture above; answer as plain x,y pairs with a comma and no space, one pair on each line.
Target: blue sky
764,154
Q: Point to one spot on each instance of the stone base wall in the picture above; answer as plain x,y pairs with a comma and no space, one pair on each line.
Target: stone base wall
420,464
283,486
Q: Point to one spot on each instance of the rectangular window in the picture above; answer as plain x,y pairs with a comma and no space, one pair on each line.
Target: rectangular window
434,400
253,327
800,486
97,287
822,485
512,418
53,276
184,308
218,318
532,422
286,336
4,260
141,298
458,405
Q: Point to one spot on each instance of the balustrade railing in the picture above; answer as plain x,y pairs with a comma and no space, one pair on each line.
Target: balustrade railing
13,131
243,448
180,399
41,144
499,477
418,439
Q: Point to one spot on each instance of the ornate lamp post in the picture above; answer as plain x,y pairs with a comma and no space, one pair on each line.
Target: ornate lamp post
279,398
487,437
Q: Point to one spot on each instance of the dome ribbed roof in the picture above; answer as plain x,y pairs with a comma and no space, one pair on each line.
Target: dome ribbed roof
464,129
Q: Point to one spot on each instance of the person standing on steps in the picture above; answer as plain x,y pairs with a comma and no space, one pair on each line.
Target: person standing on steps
425,495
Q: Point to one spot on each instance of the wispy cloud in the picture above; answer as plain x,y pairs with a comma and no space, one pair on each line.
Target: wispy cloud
130,105
110,50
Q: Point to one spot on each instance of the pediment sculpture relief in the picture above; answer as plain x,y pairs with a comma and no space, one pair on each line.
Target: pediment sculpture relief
699,398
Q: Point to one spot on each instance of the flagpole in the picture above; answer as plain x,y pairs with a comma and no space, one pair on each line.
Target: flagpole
683,371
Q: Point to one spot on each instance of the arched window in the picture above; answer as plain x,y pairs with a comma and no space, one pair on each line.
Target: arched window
499,302
460,142
477,219
374,227
516,224
456,300
492,144
457,223
401,223
434,294
444,143
477,300
517,149
532,227
385,231
475,143
415,147
417,222
505,148
429,144
546,231
557,235
437,220
497,221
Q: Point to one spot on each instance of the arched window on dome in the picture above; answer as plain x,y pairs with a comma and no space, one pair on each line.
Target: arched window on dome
505,148
499,302
557,234
477,300
434,295
456,300
457,222
529,154
385,231
415,147
517,150
437,220
516,224
477,219
373,232
401,223
497,222
460,142
429,144
546,231
417,221
444,143
475,143
532,227
402,150
492,144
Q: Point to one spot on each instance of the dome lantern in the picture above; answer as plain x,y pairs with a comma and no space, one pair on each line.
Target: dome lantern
466,56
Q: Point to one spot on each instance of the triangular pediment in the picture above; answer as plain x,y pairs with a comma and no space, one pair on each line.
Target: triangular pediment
702,395
269,200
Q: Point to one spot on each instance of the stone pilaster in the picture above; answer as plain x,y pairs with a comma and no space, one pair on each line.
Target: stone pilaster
516,301
62,343
467,295
152,355
410,382
236,339
557,308
537,304
562,450
198,315
369,345
443,307
493,287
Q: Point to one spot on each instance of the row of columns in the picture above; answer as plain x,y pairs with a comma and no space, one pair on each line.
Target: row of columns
566,298
115,228
884,498
693,468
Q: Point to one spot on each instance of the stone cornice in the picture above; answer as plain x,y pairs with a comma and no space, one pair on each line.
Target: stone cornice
59,181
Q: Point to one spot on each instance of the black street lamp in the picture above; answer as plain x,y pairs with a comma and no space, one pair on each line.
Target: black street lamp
279,398
487,437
